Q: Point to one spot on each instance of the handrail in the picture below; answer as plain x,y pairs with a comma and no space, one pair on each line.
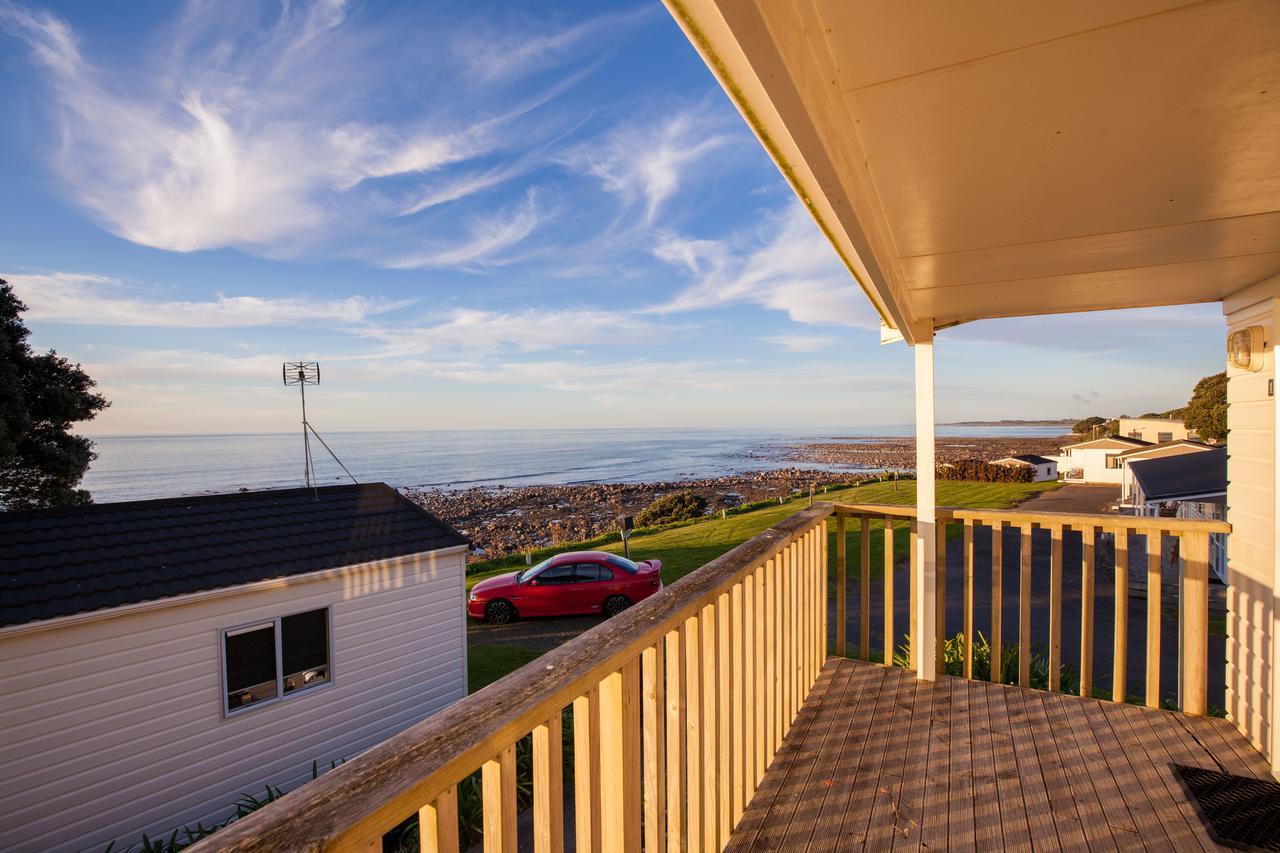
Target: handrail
1192,613
1068,519
778,576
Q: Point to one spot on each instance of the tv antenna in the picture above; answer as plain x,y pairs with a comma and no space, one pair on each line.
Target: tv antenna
302,374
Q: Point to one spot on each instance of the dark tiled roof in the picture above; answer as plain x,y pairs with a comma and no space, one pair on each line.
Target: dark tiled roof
1171,477
57,562
1181,442
1032,459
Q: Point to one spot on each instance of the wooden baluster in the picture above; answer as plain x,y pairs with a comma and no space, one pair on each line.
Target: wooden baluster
864,629
677,837
913,630
548,782
794,610
760,696
1120,655
940,607
498,788
620,800
777,681
997,598
711,766
889,638
1155,557
653,717
1024,609
586,769
841,569
749,692
1194,598
820,601
691,642
1088,535
438,823
1055,608
737,713
968,598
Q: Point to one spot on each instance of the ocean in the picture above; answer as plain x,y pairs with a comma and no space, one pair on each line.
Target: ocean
144,467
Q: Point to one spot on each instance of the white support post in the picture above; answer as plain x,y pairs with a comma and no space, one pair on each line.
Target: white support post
926,516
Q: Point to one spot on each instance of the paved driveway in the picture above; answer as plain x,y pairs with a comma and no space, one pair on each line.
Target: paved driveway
1073,497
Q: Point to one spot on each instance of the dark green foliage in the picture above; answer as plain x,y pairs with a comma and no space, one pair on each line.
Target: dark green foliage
1088,426
41,396
1207,411
977,471
680,506
953,663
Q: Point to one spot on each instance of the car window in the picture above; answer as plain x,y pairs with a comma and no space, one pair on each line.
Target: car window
622,563
555,575
592,572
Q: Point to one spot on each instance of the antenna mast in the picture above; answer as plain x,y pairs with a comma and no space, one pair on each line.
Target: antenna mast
302,374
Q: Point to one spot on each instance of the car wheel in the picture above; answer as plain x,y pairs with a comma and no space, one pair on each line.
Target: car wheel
499,612
615,604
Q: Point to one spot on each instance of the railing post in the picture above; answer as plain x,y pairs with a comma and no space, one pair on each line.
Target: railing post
841,570
620,803
864,632
1120,657
1055,608
1024,608
1155,559
889,638
926,581
1194,597
968,598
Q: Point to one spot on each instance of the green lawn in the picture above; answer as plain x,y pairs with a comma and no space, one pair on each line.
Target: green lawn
487,662
683,549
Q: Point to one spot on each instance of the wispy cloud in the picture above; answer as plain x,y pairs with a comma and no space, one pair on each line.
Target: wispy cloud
526,330
801,342
261,140
488,240
644,162
785,265
102,301
501,55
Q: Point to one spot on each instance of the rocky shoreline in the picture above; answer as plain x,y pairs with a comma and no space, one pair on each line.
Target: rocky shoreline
504,519
878,454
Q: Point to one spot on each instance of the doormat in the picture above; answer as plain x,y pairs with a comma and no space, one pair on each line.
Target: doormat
1238,811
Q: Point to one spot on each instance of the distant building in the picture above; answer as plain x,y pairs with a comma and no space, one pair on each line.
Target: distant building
159,659
1188,485
1044,467
1155,430
1154,451
1096,460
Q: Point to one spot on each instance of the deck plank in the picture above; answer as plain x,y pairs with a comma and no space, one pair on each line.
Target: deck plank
987,817
1044,832
839,785
877,759
961,797
1150,764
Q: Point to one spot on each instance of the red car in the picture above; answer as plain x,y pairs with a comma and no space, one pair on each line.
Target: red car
566,585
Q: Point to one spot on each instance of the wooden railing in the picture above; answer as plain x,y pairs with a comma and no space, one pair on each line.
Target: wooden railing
678,706
1192,611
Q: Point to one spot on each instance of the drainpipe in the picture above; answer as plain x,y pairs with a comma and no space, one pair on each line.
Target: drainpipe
925,564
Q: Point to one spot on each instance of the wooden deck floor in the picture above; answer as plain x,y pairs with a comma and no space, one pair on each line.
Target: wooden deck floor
878,760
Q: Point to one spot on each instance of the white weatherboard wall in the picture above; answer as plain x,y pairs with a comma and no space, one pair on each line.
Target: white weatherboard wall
1251,546
114,727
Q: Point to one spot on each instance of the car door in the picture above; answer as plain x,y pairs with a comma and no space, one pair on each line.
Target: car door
591,584
548,596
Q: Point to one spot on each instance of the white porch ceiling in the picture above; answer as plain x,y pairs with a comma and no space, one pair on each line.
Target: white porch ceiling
997,159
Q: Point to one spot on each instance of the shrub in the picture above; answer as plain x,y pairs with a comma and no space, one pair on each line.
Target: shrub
953,663
680,506
975,470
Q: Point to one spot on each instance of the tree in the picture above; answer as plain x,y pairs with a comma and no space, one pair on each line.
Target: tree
1207,411
1088,426
41,396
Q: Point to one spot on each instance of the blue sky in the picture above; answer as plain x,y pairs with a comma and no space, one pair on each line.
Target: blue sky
473,215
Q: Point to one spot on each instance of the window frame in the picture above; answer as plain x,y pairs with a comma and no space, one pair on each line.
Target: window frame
275,623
